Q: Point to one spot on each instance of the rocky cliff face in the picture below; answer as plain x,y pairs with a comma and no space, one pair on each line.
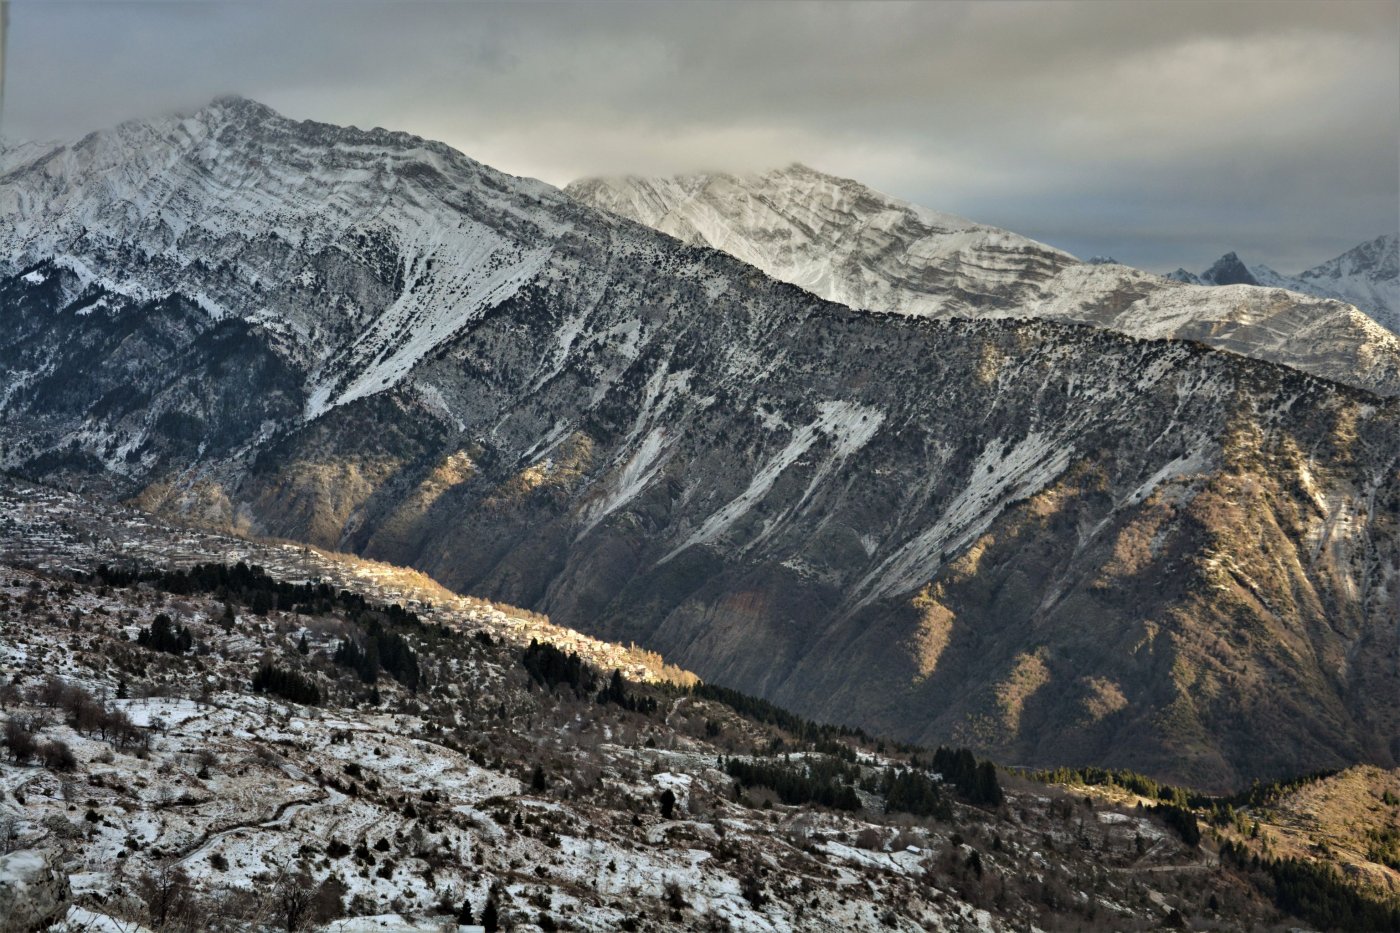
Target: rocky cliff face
846,242
1053,542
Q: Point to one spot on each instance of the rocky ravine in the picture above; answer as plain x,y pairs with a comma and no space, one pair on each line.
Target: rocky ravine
1053,542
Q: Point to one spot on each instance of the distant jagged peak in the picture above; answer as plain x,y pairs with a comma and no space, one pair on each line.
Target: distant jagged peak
1229,270
1367,276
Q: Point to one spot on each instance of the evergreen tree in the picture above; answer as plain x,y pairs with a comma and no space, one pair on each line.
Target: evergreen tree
164,634
287,684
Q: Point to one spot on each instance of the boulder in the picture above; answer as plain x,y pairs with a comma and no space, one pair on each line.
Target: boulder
33,890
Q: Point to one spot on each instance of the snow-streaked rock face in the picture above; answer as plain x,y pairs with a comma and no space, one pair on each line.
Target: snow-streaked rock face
359,250
851,244
1367,276
870,517
837,238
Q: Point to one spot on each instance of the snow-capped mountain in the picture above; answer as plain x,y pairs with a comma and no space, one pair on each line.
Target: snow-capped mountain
1047,540
358,250
1367,276
851,244
837,238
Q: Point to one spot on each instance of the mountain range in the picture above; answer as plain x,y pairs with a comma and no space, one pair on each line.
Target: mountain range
851,244
1000,515
1367,276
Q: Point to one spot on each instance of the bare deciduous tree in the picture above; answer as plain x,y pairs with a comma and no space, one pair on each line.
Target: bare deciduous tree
166,891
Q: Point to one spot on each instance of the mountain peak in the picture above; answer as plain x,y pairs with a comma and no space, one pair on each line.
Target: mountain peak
235,107
801,168
1367,276
1230,270
241,103
816,231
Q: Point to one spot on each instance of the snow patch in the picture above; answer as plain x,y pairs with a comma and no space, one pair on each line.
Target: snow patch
848,425
1002,473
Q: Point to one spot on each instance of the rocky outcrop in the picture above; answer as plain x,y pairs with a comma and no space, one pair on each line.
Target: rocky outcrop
33,890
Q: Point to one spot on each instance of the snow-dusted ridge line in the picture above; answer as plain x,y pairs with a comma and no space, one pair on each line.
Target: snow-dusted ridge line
1367,276
853,245
197,203
829,235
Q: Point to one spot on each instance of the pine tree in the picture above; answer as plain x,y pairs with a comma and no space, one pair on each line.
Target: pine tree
465,916
489,920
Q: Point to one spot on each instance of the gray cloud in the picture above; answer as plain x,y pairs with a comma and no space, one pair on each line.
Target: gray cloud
1161,132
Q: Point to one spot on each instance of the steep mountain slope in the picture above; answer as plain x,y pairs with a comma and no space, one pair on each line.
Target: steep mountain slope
1367,276
354,251
848,243
1052,542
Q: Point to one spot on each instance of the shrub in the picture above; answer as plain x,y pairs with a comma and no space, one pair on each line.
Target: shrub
19,741
57,756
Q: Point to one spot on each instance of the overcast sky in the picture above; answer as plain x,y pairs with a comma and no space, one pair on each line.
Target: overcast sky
1163,133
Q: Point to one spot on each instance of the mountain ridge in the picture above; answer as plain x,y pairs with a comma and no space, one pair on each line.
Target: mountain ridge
1367,276
851,244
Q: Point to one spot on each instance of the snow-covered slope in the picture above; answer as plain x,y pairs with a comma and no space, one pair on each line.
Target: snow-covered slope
1325,337
397,804
1367,276
849,243
836,238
